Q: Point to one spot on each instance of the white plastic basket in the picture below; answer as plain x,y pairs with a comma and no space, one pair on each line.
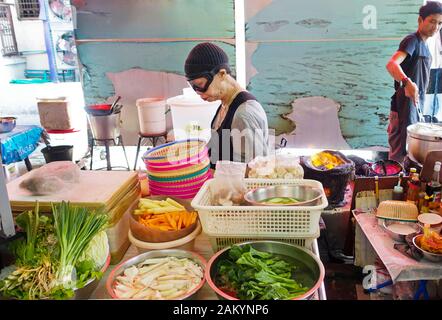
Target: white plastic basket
260,221
221,242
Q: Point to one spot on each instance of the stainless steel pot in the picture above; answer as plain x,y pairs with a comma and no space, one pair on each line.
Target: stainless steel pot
105,127
309,267
423,138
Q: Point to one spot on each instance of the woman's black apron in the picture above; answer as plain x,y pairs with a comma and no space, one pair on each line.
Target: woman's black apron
220,144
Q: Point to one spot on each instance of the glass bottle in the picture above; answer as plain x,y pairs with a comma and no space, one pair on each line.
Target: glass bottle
434,185
398,190
413,187
425,207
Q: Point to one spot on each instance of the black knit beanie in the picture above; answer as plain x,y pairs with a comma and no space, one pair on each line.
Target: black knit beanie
203,58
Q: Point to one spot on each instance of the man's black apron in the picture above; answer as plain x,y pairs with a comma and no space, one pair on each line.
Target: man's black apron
220,144
406,112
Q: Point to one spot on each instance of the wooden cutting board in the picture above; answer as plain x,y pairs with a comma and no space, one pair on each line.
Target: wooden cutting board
95,189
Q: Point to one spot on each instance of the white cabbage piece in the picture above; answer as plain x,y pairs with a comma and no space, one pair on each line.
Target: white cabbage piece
97,250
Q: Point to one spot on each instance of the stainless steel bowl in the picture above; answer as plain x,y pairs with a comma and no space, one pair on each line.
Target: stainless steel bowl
119,269
7,124
434,257
307,196
310,267
397,236
85,292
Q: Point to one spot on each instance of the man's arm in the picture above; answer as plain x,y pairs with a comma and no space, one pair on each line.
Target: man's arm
395,70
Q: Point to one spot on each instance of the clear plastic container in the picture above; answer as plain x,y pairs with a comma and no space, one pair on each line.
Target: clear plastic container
280,166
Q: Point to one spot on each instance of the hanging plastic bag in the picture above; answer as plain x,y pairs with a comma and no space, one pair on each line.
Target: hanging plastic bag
229,187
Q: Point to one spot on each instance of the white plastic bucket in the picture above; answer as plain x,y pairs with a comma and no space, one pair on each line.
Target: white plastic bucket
192,116
151,115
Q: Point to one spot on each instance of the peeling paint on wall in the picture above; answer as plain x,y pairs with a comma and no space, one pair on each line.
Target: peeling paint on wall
147,40
321,48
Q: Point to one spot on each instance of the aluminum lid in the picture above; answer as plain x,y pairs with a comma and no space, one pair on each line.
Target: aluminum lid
425,131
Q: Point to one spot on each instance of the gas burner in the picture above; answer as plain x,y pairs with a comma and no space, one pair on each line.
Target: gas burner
409,163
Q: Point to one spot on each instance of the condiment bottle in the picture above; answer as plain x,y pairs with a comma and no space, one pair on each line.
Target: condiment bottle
413,187
434,201
421,200
425,207
398,190
434,185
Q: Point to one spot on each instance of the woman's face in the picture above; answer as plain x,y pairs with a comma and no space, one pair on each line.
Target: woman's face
208,87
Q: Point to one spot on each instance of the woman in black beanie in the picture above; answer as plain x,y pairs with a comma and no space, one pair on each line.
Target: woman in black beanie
239,128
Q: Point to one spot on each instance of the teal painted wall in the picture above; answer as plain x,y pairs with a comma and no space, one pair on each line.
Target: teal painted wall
99,57
155,19
117,35
320,48
327,53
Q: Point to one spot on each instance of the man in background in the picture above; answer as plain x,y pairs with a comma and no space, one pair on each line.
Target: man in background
410,68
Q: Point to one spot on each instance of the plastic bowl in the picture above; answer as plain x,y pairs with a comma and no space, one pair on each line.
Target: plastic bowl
434,257
7,124
307,196
311,265
104,106
119,269
185,243
145,234
432,219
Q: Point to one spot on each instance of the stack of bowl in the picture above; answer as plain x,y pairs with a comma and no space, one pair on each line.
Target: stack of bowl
178,169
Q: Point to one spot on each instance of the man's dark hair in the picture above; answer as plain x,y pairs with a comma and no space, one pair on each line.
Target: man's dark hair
431,7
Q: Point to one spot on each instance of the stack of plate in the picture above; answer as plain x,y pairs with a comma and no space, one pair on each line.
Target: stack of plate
178,169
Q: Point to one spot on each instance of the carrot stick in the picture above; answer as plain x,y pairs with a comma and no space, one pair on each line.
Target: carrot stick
180,222
194,215
171,221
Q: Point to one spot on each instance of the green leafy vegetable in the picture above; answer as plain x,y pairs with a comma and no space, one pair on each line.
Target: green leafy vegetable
75,227
39,256
253,274
29,222
97,250
280,200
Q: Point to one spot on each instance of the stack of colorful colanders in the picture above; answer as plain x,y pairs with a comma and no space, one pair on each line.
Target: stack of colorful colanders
178,169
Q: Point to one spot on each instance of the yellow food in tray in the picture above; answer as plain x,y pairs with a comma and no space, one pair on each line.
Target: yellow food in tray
431,241
326,160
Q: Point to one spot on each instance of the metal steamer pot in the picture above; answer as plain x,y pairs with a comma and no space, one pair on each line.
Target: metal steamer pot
423,138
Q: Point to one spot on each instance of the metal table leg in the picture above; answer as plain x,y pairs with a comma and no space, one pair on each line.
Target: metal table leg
321,291
92,153
28,164
109,167
120,141
138,151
